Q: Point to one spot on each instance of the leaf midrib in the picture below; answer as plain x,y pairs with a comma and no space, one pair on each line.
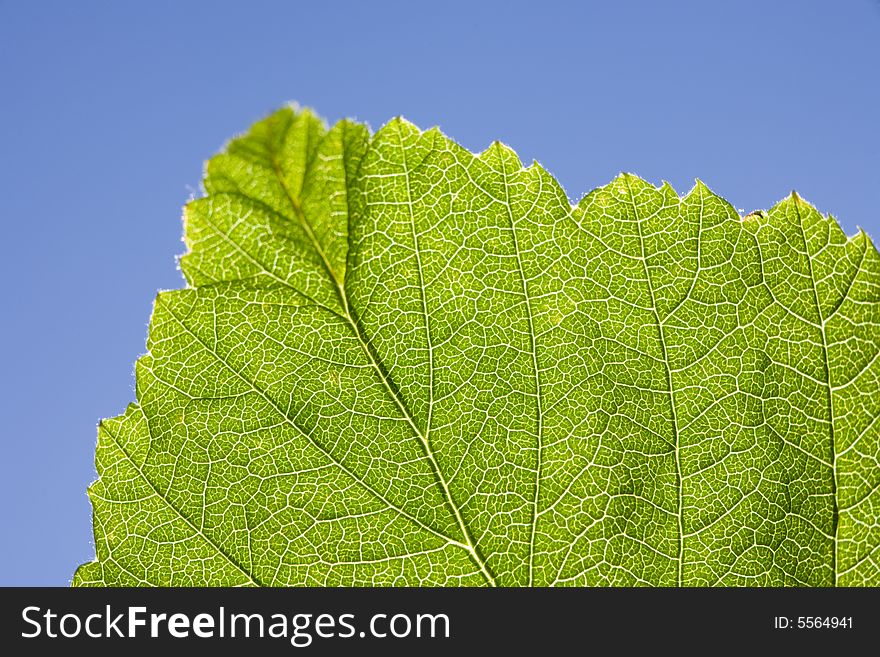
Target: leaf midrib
470,544
288,420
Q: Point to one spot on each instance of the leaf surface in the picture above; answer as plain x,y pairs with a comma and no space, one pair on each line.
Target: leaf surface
400,363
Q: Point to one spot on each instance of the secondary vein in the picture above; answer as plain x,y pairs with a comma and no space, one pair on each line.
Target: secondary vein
539,419
251,578
835,513
674,415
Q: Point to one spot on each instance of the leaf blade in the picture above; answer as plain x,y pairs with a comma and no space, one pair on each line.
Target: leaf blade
403,363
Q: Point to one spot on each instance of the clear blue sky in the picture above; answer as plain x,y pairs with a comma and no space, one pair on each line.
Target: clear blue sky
107,111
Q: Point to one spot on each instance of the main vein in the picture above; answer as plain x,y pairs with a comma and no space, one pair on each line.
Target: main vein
469,544
288,420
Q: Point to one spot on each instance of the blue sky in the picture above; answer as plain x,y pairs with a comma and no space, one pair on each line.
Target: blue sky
107,111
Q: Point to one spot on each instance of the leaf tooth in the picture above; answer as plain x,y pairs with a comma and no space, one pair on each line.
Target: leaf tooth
399,122
501,157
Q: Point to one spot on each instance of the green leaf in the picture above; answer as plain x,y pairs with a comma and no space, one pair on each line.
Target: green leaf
400,363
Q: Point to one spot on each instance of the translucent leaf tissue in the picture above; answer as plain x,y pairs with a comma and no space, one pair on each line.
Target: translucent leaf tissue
400,363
